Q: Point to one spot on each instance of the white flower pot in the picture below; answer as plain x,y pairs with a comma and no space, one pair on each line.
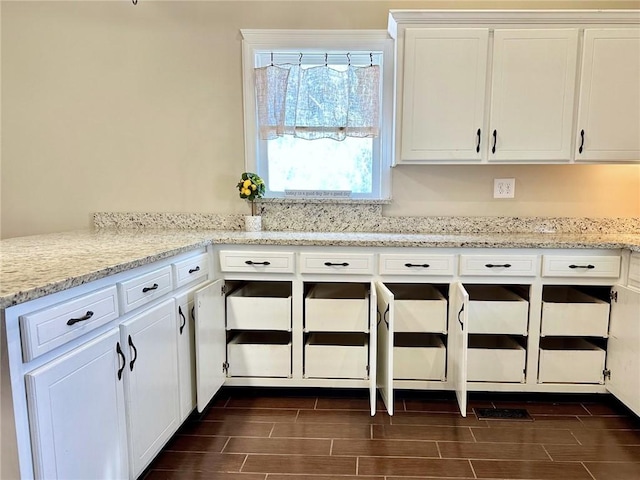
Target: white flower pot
252,223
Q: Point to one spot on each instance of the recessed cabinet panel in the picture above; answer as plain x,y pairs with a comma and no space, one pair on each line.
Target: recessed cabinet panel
567,311
191,270
337,307
495,358
336,355
608,123
445,72
570,360
532,95
145,288
260,306
580,266
51,327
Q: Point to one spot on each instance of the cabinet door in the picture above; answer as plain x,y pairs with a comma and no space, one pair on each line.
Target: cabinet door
185,312
384,316
443,103
77,413
373,350
623,355
458,343
151,381
211,339
532,95
608,127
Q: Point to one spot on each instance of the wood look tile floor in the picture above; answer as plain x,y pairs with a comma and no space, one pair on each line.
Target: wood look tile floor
259,434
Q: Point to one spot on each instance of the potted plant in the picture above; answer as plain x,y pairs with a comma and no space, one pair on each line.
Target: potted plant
251,187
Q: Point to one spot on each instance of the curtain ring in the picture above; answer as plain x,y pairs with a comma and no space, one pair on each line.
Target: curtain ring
348,59
271,57
371,59
326,55
300,60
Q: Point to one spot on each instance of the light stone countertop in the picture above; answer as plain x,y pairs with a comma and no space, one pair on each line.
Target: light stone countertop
35,266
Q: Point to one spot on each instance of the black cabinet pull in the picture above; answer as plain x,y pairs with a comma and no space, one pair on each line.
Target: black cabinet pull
460,317
184,320
590,267
503,265
193,313
581,141
124,360
495,139
135,354
148,289
251,262
478,145
330,264
411,265
86,316
193,270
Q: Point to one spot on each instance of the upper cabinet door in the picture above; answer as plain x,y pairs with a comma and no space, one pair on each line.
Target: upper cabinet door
211,340
532,95
608,127
385,345
459,343
443,104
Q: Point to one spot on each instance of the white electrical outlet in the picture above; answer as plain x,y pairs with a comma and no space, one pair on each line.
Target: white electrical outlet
504,187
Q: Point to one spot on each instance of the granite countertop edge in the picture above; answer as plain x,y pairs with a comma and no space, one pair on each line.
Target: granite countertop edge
35,266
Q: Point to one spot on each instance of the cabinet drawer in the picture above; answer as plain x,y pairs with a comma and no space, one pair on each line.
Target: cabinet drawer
260,306
143,289
392,264
190,270
634,271
499,265
51,327
495,359
567,311
337,307
418,308
419,357
496,310
337,263
570,360
265,262
580,266
336,355
260,354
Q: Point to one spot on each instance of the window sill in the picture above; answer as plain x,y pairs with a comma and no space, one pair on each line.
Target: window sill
342,201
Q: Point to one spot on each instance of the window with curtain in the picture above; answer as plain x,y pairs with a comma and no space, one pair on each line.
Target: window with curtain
315,117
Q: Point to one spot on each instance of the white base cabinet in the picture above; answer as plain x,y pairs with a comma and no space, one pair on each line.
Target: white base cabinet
77,413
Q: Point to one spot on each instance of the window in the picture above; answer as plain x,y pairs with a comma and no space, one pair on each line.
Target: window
352,163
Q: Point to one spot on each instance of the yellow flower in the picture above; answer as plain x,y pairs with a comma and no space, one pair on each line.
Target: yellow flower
246,183
246,191
253,187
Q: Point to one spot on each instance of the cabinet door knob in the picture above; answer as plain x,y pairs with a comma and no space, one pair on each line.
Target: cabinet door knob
86,316
135,354
581,141
495,139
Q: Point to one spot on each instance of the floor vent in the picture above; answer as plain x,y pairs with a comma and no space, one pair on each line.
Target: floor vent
502,414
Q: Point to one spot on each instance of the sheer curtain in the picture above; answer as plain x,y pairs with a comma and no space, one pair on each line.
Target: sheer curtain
318,102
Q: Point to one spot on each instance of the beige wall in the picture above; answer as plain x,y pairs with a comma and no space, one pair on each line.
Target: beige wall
108,106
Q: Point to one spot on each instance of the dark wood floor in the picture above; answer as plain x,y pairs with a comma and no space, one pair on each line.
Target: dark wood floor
254,434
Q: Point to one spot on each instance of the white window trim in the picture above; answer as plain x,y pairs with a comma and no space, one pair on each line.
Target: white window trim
301,40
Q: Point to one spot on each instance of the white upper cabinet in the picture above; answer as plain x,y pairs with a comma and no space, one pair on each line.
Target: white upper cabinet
445,73
532,95
608,126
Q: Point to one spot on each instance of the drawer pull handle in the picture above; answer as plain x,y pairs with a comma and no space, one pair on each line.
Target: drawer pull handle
590,267
495,139
581,141
193,270
86,316
148,289
331,264
135,353
124,360
423,265
251,262
498,265
184,320
478,144
460,319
